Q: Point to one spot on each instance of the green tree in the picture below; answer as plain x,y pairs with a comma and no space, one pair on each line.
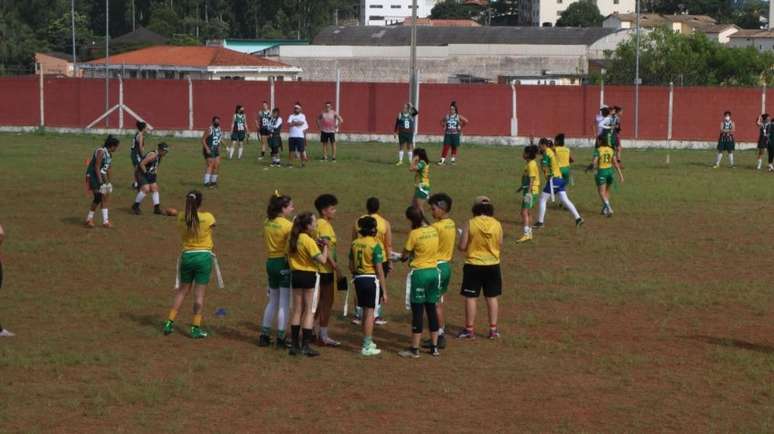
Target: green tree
749,15
691,60
453,10
504,13
60,32
163,19
583,13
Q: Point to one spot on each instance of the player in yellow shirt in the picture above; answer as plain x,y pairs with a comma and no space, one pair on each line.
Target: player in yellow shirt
440,207
365,262
305,256
420,165
422,283
604,161
530,187
481,240
326,209
383,236
555,185
195,263
564,158
276,234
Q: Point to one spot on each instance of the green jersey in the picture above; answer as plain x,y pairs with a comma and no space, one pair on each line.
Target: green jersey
404,123
214,138
265,118
104,167
240,123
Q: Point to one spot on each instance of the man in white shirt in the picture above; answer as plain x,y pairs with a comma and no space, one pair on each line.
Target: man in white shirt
297,127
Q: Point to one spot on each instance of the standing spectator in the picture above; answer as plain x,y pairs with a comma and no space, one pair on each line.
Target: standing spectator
329,122
297,126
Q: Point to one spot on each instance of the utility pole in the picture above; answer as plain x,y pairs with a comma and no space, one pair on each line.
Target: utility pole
107,61
637,79
72,21
413,60
133,14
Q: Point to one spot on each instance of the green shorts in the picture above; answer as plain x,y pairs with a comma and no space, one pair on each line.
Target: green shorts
405,138
452,140
565,174
528,200
195,267
604,177
446,272
422,192
278,271
424,286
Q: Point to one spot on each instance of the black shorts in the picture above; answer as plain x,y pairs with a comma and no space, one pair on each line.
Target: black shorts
238,136
478,277
763,142
327,137
303,279
386,267
366,289
264,132
326,279
146,178
296,144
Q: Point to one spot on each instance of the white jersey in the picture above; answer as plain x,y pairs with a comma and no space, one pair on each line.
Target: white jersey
295,131
605,124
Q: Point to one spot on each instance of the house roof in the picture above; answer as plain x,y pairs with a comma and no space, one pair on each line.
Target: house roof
441,23
191,56
441,36
651,20
753,33
58,55
140,36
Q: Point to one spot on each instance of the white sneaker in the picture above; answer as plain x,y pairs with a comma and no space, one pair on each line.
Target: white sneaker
6,334
370,351
328,342
380,321
356,321
771,168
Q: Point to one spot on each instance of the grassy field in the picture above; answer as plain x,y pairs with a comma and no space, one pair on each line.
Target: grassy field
659,319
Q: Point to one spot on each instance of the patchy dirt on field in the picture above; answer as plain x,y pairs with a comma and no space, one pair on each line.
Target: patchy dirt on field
658,319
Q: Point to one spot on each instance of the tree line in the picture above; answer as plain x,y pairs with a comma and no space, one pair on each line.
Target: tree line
29,26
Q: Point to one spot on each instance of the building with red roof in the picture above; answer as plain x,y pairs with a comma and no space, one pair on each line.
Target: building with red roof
195,62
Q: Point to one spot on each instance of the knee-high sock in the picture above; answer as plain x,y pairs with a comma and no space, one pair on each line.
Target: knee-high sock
284,310
239,153
568,204
140,197
731,158
269,311
445,151
156,198
542,208
719,158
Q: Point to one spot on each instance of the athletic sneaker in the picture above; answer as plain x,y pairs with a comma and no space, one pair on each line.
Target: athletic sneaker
308,351
356,321
107,225
168,327
603,211
264,341
441,163
328,342
136,209
399,163
537,226
524,238
716,166
609,213
282,344
441,342
157,210
333,160
410,352
6,333
453,162
198,333
494,334
466,334
771,168
294,350
380,321
89,224
370,350
579,222
434,352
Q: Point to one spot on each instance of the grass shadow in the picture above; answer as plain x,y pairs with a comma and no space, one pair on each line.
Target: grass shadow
233,334
74,221
151,321
732,343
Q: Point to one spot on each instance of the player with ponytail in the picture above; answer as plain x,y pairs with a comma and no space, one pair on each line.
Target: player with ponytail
98,179
195,263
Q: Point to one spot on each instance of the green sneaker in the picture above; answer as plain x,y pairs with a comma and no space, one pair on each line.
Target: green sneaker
168,327
198,333
370,351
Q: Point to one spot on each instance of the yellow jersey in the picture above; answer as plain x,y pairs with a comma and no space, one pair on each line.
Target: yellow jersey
276,233
550,164
604,156
325,232
202,238
304,257
484,241
530,181
382,226
422,243
365,253
562,156
422,175
447,234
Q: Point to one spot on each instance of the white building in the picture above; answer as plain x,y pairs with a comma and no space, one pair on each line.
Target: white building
682,23
387,12
761,40
547,12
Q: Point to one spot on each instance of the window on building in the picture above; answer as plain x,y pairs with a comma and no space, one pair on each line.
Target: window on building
395,6
559,2
375,18
376,6
615,2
